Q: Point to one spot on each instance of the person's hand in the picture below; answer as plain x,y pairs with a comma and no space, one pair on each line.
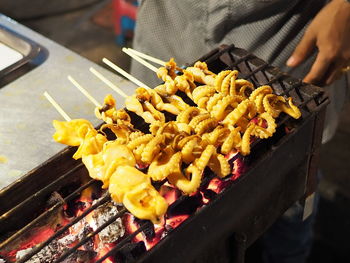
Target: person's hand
330,33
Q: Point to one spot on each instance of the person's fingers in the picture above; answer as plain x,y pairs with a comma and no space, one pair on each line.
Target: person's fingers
303,49
318,70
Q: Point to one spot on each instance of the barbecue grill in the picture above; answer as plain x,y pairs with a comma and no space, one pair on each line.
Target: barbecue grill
278,172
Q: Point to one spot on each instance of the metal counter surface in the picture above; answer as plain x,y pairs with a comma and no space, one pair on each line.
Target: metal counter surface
25,114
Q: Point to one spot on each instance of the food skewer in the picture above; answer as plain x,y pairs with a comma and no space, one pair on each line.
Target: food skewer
108,82
148,57
56,106
139,59
124,73
137,55
84,91
199,137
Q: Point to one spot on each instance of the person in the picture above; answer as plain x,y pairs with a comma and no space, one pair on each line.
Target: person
309,39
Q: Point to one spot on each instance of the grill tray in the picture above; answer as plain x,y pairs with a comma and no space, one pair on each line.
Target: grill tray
32,52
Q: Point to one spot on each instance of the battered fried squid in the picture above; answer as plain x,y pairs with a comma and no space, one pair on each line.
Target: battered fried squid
79,132
133,188
229,114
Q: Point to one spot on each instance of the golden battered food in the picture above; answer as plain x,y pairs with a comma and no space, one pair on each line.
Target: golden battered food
72,132
291,109
269,121
245,108
219,165
166,163
182,182
79,132
201,73
245,144
133,188
229,114
103,164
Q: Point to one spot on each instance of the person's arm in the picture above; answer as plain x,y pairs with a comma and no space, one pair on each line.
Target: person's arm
329,32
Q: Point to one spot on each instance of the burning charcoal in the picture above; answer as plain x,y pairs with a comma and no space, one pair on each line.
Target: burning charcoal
87,229
209,194
102,214
149,231
47,255
67,240
185,205
55,249
81,256
130,252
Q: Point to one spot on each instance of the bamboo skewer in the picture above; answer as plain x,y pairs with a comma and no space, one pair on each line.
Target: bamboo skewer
138,56
84,91
139,59
148,57
124,73
57,107
107,82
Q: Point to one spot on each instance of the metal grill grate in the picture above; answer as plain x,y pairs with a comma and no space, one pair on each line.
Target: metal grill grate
308,97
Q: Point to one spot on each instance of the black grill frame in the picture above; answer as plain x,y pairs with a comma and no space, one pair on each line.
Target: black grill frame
278,189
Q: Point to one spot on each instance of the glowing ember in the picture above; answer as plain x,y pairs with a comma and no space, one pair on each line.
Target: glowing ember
175,221
170,193
181,207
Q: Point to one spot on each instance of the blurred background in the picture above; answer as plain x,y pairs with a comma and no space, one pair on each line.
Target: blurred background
96,29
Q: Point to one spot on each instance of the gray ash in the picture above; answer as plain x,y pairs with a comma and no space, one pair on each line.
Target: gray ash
48,254
80,256
112,232
51,252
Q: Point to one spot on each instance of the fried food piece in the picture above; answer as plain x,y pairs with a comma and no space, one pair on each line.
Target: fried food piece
201,73
71,132
241,87
134,189
185,83
92,144
217,136
79,132
245,145
272,104
122,131
182,182
109,114
190,182
219,165
166,163
232,141
152,148
168,70
246,107
264,119
190,149
202,94
221,106
145,110
291,109
103,164
261,90
224,80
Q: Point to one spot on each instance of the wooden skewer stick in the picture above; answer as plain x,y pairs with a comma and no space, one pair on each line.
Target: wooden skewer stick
57,107
139,59
84,91
107,82
148,57
124,73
